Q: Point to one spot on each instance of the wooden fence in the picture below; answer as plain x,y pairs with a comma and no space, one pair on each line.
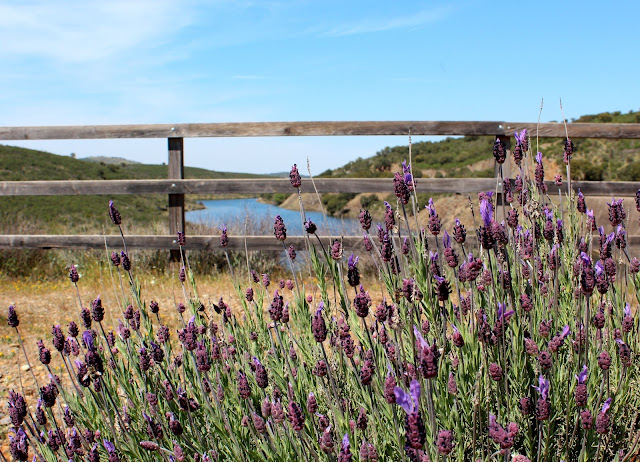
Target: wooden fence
176,186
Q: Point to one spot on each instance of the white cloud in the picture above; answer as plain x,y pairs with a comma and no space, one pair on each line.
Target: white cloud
369,25
86,31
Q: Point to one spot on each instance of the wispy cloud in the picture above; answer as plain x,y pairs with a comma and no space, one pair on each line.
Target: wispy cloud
370,25
86,31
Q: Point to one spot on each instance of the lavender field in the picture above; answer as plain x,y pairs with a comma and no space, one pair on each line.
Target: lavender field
512,337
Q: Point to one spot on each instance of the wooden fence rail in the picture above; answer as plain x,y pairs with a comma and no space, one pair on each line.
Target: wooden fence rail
246,129
260,186
176,186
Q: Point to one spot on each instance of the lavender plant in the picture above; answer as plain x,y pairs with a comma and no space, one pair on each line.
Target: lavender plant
519,348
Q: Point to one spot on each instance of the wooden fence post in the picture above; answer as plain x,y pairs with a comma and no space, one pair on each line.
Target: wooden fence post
176,201
506,173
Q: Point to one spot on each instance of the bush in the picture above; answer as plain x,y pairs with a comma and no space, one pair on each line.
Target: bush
534,354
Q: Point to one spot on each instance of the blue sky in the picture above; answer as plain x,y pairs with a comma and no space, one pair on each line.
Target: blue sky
162,61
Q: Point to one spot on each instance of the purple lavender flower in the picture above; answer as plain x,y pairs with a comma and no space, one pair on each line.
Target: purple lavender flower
580,393
294,177
408,178
542,405
58,337
182,239
310,227
414,427
401,188
389,217
499,151
627,319
444,442
19,445
224,239
368,246
126,262
291,251
336,249
486,212
111,451
617,214
353,275
43,353
84,378
362,302
581,204
115,259
114,214
17,408
345,453
279,230
434,220
12,317
568,151
603,421
365,219
459,232
275,309
73,274
244,391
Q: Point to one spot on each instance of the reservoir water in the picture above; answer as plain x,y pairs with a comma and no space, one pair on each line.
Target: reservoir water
259,218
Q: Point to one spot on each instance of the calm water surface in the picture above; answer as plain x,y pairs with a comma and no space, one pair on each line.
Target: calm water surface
260,217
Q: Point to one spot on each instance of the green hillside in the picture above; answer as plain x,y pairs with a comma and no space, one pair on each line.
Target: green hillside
81,213
459,157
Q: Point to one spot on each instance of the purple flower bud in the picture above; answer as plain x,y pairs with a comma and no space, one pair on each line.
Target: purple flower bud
73,274
114,214
115,259
345,452
318,325
224,239
279,230
126,262
294,177
499,151
12,317
444,442
362,302
310,227
365,219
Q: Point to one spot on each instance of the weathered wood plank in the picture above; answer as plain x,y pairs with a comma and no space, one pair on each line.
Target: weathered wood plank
154,242
210,243
319,128
259,186
176,201
252,129
577,130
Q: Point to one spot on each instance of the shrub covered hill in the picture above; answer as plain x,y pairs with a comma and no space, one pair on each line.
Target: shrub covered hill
470,156
81,213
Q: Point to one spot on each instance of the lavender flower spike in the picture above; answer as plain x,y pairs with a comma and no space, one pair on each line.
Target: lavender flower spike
543,389
87,337
582,376
486,211
408,401
418,334
446,239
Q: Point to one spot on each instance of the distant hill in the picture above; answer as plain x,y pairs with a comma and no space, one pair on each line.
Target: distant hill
470,156
65,213
109,160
